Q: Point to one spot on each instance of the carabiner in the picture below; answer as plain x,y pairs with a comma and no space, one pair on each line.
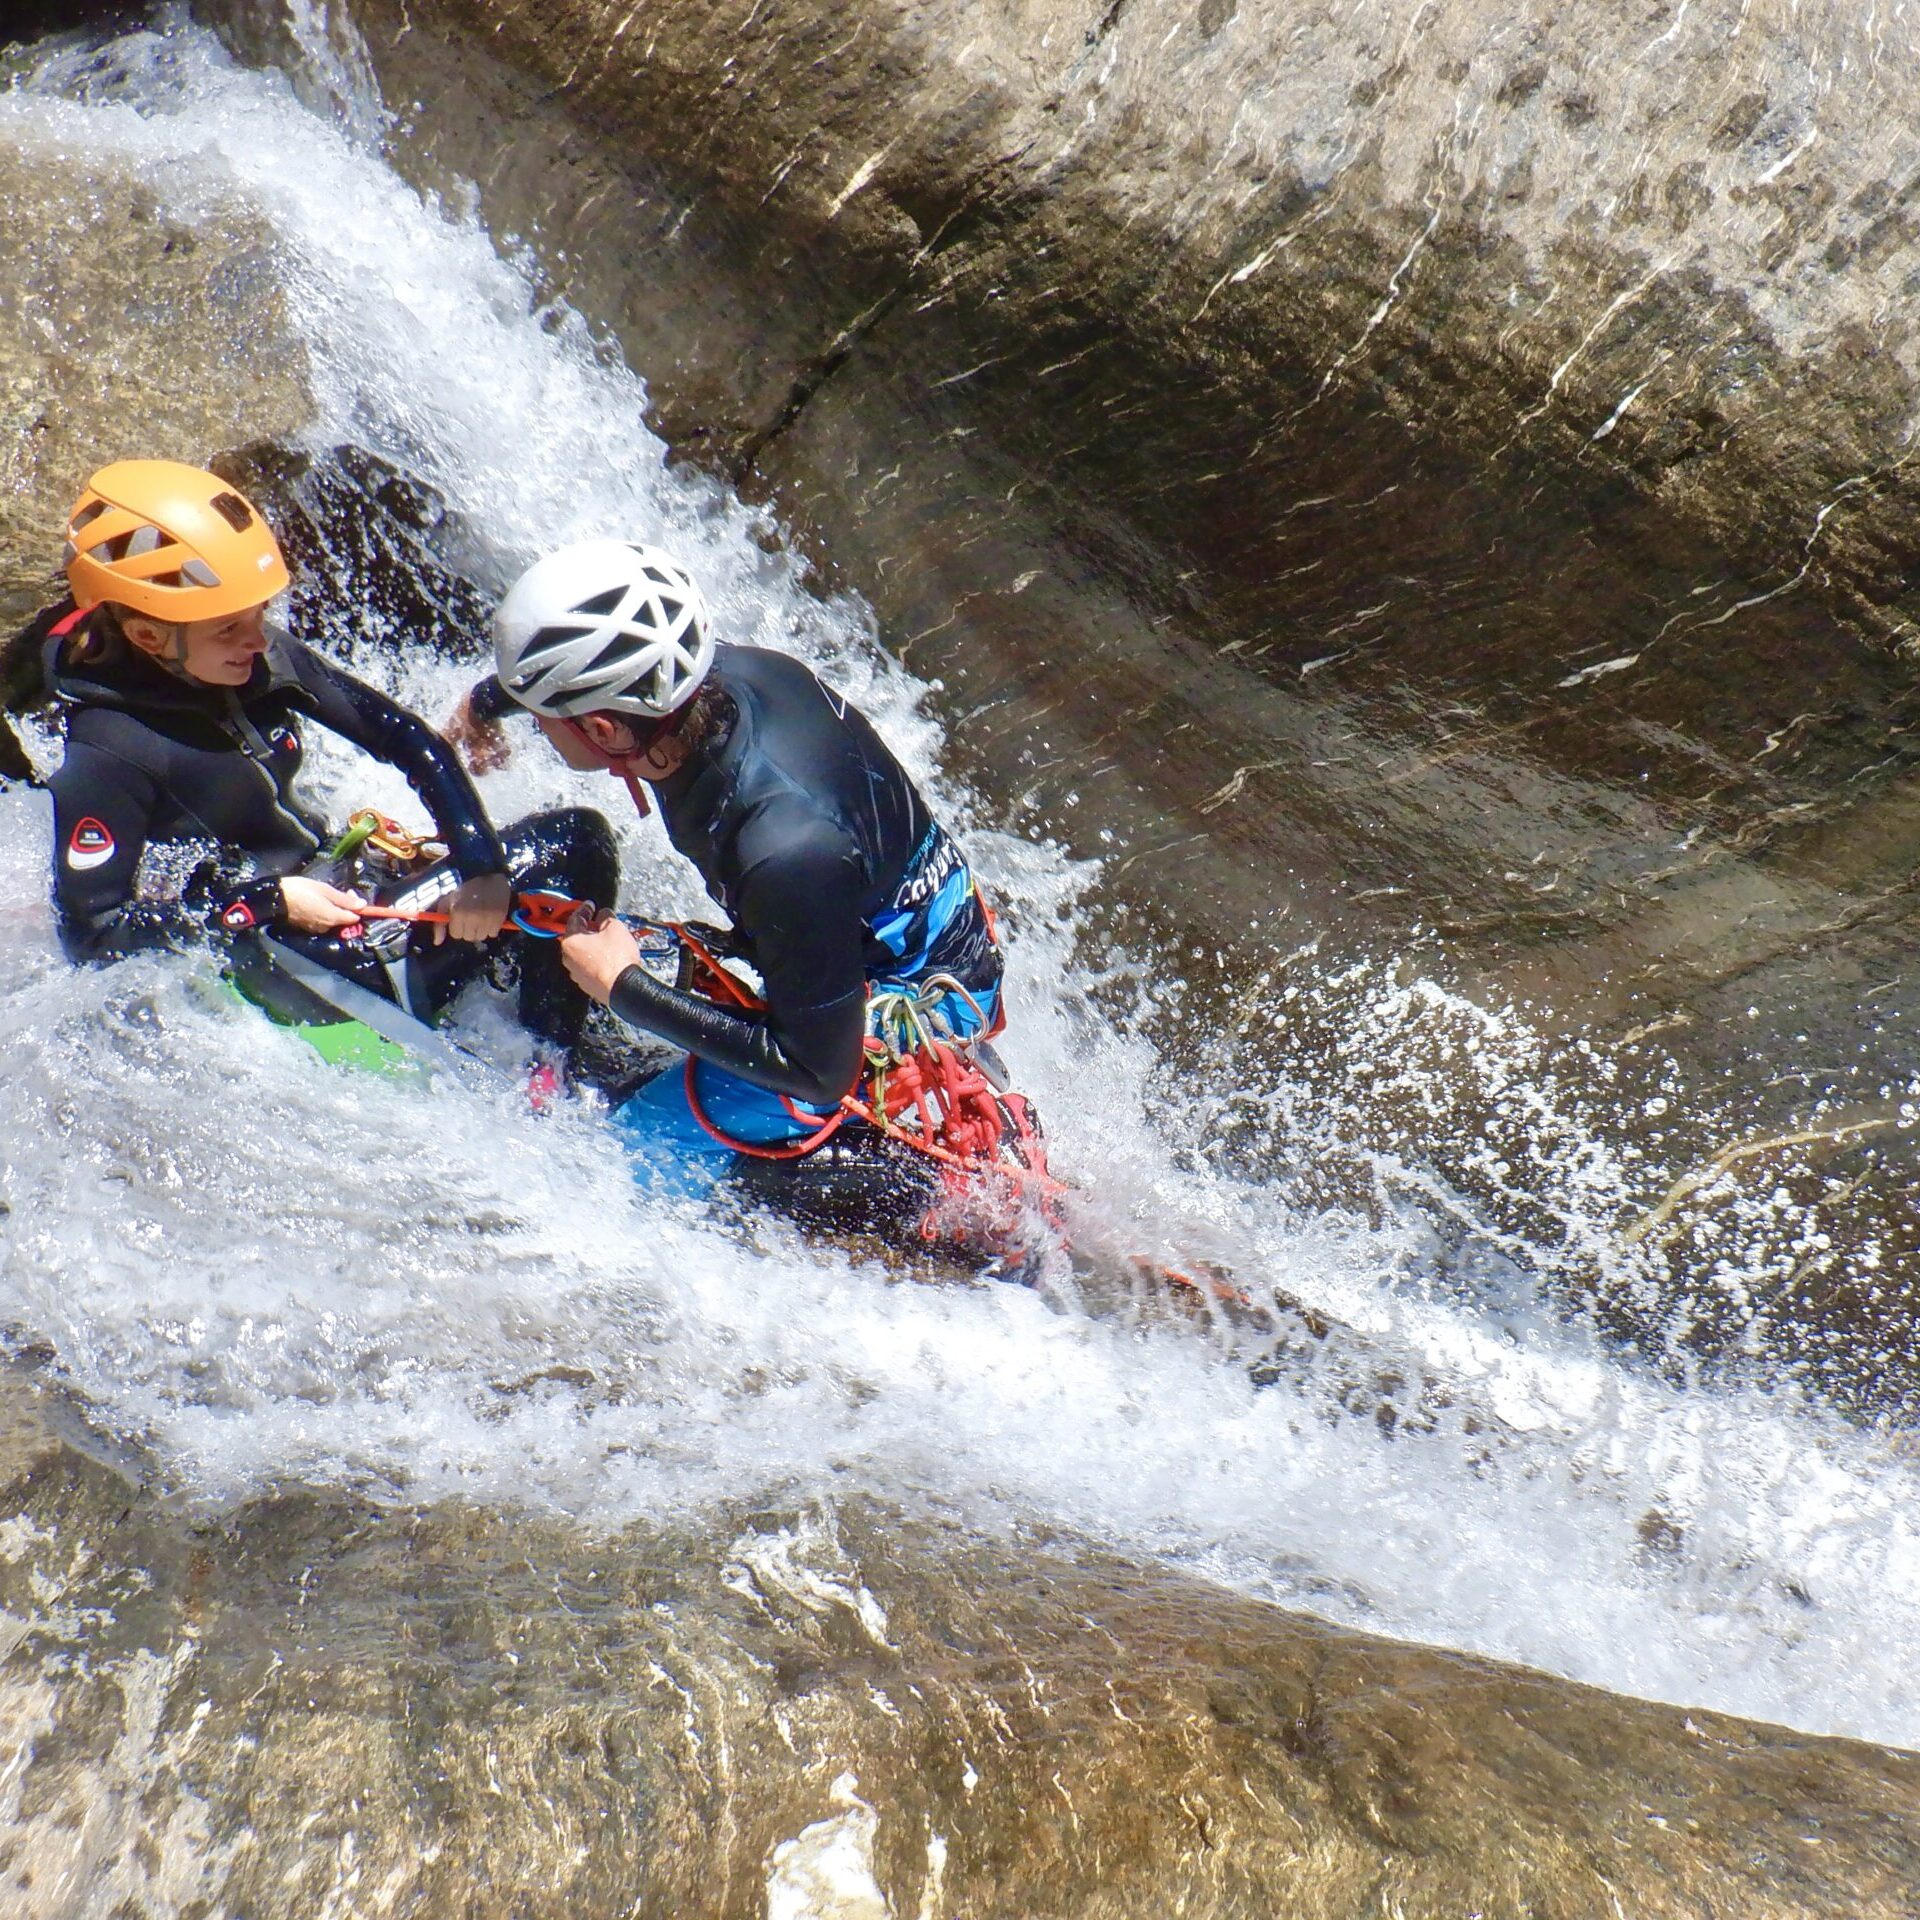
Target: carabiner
545,915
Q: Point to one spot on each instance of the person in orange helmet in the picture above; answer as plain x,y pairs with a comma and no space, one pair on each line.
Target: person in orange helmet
184,707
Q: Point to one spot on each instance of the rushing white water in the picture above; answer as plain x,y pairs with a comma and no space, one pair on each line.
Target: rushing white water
274,1271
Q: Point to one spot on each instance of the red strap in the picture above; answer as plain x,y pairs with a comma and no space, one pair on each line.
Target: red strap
62,628
753,1149
722,986
999,1022
956,1117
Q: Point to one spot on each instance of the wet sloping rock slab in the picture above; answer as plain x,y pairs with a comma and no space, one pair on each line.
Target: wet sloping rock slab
124,334
312,1706
1337,474
1520,400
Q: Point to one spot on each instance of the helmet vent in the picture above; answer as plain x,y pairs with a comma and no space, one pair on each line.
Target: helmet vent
549,640
602,603
233,510
615,651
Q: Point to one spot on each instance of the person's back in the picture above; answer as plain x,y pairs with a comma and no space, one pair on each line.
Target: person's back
793,763
811,835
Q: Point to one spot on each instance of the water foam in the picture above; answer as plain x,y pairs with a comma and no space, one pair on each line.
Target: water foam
275,1272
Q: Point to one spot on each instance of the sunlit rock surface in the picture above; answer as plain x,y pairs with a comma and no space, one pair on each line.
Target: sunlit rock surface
1525,401
124,334
1371,478
314,1707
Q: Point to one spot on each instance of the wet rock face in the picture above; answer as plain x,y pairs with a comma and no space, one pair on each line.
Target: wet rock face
1515,384
123,335
1401,470
313,1706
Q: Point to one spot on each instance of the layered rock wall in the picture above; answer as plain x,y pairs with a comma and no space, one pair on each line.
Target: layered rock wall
1472,459
1557,366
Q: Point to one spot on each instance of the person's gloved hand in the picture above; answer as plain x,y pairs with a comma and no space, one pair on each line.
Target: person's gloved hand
597,955
477,909
312,906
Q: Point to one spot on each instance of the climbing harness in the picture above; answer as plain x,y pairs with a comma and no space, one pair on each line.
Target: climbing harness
924,1088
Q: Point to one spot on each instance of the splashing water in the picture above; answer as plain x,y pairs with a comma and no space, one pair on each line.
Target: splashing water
273,1271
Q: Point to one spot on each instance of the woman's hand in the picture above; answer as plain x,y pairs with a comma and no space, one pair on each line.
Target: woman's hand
477,909
483,744
598,954
314,907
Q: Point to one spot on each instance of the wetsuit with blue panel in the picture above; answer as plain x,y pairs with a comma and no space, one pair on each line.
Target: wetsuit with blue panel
837,879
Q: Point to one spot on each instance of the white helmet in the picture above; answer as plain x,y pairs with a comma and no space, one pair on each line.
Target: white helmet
603,625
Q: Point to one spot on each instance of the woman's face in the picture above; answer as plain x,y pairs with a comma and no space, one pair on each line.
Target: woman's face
217,653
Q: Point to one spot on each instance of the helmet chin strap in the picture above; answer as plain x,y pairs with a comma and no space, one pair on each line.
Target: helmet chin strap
619,765
172,656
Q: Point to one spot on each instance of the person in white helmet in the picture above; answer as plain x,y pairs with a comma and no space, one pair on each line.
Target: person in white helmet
804,827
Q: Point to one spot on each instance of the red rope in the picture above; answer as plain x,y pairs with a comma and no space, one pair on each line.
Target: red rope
754,1149
958,1120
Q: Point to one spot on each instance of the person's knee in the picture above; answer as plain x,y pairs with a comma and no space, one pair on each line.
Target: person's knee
583,827
574,846
593,854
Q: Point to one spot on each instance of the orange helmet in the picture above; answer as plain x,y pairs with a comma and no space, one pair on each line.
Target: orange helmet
170,541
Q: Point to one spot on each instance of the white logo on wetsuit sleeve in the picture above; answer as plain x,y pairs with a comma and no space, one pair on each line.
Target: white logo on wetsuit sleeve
924,881
89,845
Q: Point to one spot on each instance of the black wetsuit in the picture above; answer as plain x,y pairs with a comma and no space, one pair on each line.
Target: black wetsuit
835,874
155,762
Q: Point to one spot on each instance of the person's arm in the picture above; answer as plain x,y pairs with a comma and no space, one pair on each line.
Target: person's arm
489,701
23,683
811,1053
385,729
802,912
23,667
102,810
